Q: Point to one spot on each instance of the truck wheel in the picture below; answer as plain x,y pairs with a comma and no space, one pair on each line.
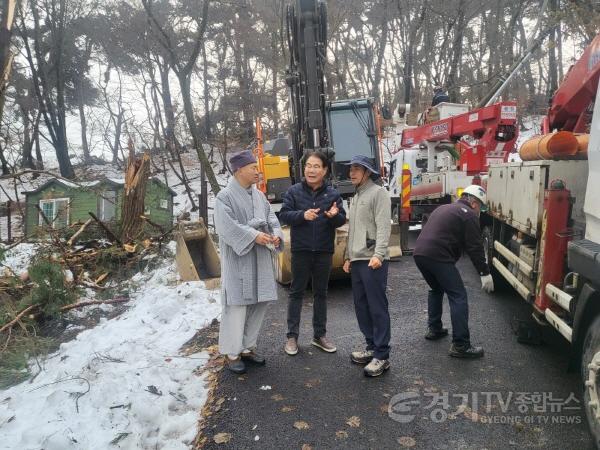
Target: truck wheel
590,374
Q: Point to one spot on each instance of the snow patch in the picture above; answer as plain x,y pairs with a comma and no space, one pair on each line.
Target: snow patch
19,257
141,389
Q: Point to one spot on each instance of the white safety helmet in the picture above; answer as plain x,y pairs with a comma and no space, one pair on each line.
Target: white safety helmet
478,192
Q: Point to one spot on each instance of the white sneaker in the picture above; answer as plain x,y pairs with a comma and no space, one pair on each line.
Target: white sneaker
376,367
362,356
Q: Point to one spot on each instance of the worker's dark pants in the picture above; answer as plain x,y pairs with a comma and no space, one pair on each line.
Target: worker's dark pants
306,266
371,306
444,277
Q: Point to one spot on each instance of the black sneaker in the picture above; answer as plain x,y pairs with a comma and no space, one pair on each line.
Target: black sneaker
465,352
236,366
254,358
434,335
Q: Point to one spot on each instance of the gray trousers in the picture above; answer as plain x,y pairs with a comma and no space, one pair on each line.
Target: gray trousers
239,327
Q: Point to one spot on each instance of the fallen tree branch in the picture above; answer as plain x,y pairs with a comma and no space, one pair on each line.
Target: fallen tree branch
81,230
18,317
109,233
17,242
93,302
165,234
155,225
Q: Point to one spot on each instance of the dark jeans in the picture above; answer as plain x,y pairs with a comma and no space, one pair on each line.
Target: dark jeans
371,306
314,266
445,278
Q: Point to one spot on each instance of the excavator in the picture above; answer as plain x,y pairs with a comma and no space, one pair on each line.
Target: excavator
338,128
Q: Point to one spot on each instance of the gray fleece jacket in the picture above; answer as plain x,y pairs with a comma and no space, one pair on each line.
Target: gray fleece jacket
369,221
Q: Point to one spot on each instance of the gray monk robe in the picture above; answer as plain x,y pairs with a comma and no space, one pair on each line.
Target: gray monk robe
247,272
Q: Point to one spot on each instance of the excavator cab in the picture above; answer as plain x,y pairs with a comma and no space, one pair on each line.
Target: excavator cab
352,128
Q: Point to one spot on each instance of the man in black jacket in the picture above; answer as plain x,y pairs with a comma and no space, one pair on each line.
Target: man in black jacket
450,230
314,210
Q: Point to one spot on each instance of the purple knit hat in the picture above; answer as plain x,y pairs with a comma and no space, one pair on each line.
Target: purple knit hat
241,159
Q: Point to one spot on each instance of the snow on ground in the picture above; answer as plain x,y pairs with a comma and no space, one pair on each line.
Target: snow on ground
18,258
122,359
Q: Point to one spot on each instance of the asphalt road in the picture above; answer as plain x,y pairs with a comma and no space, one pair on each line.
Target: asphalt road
517,396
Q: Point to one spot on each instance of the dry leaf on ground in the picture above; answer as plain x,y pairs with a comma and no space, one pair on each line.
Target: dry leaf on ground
301,425
354,421
341,434
222,438
407,441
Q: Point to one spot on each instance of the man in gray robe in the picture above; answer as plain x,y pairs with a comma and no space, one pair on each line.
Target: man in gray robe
248,234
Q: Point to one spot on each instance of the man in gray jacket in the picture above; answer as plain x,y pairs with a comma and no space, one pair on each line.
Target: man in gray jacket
366,258
248,232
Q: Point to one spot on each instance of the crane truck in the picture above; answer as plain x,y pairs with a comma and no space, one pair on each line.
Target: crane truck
542,228
452,150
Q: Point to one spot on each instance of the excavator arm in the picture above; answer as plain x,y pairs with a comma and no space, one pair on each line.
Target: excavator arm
307,44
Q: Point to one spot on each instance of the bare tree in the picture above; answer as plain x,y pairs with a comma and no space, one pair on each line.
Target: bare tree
183,68
7,16
48,74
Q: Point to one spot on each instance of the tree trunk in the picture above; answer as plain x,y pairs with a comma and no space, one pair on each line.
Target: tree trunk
184,73
559,52
39,163
529,81
452,80
52,107
173,145
117,141
381,52
172,142
84,142
134,194
184,83
410,54
552,65
62,147
241,73
27,160
4,162
7,16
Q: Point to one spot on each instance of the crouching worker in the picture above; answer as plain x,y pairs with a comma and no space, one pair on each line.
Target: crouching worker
450,230
366,259
248,232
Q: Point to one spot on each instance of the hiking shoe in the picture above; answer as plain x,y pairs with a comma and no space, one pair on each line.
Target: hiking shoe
253,358
236,365
291,346
361,356
465,352
434,335
324,344
376,367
